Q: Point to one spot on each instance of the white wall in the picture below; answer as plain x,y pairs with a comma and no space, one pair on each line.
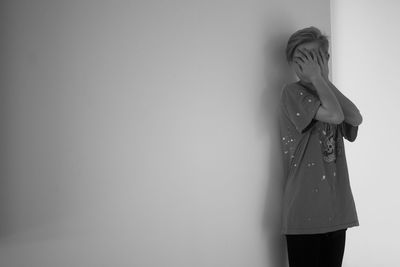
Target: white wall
144,133
365,59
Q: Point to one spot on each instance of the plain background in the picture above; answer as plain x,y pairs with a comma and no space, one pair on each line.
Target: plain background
145,133
365,61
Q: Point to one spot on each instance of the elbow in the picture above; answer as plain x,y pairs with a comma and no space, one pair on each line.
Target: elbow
338,118
355,120
360,119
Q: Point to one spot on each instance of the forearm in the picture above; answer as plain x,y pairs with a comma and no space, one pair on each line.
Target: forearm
351,113
327,97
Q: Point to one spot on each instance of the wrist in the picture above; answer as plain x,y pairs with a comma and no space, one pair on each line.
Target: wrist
326,78
316,78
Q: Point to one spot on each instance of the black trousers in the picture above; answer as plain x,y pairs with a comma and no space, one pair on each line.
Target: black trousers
316,250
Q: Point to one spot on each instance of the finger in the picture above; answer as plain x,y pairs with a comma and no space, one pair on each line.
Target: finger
304,53
309,54
300,55
300,62
299,59
321,52
314,55
319,58
298,65
301,68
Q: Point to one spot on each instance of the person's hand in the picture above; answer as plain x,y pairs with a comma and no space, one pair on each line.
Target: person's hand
323,62
309,67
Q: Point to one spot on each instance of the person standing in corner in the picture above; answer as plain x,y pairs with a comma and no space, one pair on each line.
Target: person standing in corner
315,118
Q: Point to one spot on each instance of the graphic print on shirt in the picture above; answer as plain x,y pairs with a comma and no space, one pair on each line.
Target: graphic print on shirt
329,142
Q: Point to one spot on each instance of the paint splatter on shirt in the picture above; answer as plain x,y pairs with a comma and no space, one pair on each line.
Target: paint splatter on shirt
317,195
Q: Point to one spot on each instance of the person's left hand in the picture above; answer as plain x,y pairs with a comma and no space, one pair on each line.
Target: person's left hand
323,63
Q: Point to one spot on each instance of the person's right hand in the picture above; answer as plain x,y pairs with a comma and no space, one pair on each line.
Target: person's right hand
308,64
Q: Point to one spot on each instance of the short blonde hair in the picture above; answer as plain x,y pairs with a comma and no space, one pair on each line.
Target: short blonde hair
306,35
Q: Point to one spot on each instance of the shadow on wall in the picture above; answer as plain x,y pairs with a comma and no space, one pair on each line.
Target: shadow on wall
277,72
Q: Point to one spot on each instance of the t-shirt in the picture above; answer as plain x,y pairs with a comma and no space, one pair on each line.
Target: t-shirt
317,196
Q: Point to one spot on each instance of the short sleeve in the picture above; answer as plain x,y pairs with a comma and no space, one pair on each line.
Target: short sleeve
300,106
348,131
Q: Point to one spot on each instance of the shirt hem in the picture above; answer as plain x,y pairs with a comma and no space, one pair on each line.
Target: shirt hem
319,230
